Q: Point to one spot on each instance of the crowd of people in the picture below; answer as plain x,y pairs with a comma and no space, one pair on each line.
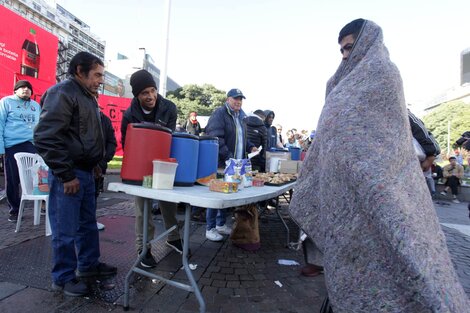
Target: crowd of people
371,224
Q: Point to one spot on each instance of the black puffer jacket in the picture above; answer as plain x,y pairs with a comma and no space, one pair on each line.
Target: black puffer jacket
256,134
69,133
110,142
222,125
165,116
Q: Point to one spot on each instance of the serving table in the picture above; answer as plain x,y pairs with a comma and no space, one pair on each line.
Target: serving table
199,196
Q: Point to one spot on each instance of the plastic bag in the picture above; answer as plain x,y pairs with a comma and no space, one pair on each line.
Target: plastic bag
40,173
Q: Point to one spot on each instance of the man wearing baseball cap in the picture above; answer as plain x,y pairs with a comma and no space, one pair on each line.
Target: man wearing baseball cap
226,123
19,114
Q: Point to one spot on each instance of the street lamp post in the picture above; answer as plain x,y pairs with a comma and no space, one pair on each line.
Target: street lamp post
163,76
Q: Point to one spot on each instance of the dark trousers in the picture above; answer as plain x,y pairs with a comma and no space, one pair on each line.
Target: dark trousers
12,177
454,183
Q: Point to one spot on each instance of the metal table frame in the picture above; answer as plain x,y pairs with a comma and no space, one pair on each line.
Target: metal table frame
199,196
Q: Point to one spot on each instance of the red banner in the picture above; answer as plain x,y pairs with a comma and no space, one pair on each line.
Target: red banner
26,52
114,108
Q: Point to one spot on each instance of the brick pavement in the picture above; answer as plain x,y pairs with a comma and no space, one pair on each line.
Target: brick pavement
231,280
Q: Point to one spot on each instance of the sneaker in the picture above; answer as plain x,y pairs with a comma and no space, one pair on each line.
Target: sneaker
13,217
444,193
73,288
102,269
213,235
223,230
175,245
148,261
100,226
455,200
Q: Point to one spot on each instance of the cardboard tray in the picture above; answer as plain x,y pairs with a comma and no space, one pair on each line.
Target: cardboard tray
280,184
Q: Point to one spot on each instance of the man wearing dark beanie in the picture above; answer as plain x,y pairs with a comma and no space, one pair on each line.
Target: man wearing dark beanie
18,117
149,106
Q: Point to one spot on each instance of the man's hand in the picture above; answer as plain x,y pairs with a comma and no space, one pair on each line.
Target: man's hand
98,172
426,164
254,149
72,187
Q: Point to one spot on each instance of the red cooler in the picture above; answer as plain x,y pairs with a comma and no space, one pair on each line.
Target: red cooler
144,143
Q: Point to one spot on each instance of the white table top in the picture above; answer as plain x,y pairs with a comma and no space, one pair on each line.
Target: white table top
201,196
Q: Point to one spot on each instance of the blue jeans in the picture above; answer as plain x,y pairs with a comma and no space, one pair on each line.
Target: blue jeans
73,224
215,217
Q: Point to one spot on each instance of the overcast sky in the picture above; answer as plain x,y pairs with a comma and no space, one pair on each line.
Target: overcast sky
280,53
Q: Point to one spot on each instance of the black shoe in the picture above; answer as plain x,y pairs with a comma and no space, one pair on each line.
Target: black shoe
148,260
102,269
13,217
73,288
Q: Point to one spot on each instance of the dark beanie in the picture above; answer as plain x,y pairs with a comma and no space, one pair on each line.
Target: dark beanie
352,28
141,80
23,83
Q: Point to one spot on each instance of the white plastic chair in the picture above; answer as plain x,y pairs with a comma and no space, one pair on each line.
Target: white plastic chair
26,168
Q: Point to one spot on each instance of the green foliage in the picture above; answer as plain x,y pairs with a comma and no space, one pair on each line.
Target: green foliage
458,113
193,98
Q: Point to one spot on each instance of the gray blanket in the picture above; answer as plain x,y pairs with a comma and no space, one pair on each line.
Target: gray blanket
362,197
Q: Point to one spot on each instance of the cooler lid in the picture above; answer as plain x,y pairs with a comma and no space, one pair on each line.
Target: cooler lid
208,138
153,126
278,150
185,135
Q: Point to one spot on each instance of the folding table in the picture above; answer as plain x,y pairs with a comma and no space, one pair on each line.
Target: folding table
199,196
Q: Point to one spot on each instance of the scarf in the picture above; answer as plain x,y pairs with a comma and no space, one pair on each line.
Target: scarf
361,195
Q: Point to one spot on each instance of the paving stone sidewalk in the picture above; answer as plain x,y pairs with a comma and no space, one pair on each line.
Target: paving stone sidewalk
231,280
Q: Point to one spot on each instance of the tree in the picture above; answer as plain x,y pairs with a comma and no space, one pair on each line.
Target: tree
193,98
458,113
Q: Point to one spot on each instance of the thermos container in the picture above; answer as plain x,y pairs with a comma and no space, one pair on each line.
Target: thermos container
185,149
207,160
145,142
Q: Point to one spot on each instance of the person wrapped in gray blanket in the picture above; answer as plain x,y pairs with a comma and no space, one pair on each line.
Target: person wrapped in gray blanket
371,214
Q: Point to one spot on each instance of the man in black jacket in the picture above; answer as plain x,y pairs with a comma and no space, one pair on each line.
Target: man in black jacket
70,140
110,145
256,133
149,106
226,123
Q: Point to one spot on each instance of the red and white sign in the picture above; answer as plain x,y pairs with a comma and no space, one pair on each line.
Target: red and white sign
26,52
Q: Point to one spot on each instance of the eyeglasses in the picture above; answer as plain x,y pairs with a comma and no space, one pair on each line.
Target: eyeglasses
348,47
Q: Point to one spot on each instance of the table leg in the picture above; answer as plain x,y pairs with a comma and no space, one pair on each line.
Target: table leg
282,220
144,251
189,274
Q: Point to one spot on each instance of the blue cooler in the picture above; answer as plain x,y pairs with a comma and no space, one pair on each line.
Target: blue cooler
185,149
295,153
208,159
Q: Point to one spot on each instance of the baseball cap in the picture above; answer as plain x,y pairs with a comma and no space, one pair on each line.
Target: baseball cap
235,93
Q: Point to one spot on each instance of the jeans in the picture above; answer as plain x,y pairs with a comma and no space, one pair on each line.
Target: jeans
215,217
75,239
12,177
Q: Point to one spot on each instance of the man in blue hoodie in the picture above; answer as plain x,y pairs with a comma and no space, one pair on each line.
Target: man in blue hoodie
19,114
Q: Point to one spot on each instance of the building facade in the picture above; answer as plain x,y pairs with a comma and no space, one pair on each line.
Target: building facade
74,34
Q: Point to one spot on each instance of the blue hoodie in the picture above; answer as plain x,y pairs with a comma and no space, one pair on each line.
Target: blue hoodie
18,118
